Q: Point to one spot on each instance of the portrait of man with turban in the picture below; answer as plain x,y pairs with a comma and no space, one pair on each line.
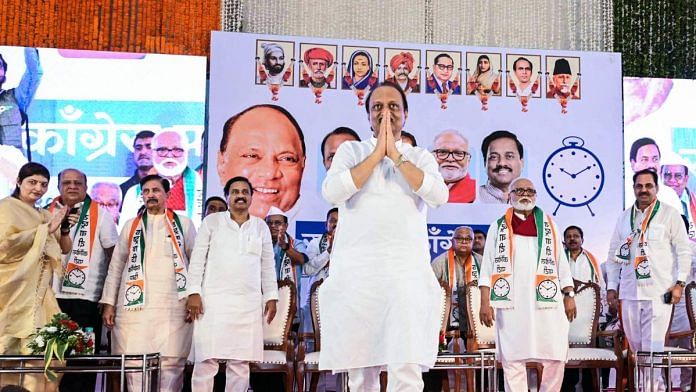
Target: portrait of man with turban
361,73
404,69
563,85
318,68
272,69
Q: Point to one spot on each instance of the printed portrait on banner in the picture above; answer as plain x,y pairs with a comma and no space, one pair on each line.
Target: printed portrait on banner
360,70
275,62
442,74
483,76
523,75
563,80
318,68
403,67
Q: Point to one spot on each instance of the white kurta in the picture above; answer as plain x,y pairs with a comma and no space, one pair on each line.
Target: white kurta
525,332
233,269
160,325
381,303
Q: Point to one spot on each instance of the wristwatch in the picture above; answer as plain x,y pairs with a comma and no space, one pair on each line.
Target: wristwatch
681,283
569,294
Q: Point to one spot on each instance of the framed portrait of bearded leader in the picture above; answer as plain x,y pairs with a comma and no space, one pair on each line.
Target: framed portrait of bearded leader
403,67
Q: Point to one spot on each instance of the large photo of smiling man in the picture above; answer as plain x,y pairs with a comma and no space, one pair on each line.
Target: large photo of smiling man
265,144
503,155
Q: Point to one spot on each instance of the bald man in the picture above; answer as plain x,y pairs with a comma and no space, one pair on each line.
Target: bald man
79,289
451,150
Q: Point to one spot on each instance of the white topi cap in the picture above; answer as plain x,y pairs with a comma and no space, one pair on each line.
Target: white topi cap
275,211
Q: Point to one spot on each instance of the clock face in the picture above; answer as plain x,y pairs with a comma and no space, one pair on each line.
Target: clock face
547,289
643,268
133,293
76,277
573,176
501,287
180,281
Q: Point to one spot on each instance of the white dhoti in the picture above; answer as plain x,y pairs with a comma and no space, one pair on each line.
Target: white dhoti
680,323
403,377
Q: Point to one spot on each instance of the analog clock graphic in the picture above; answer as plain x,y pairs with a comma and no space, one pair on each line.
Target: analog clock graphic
76,277
573,175
547,289
133,293
501,288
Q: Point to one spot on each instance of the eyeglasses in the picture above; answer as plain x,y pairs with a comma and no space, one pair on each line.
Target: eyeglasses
524,191
675,176
456,154
176,151
111,204
463,239
443,67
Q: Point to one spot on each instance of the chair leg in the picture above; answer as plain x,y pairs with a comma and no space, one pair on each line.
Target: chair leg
383,380
457,380
445,381
289,380
314,382
300,377
596,386
470,380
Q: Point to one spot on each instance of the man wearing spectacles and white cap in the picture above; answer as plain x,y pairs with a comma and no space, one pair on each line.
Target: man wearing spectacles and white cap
170,160
451,150
527,289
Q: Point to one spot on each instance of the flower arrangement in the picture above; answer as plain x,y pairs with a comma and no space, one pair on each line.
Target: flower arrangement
60,336
442,343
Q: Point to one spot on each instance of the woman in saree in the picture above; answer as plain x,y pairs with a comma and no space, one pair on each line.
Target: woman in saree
31,243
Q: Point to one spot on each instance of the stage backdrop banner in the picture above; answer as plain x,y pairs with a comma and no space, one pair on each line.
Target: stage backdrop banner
660,134
85,108
564,107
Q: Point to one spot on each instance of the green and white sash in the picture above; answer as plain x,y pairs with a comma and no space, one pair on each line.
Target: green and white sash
547,284
641,260
77,266
135,284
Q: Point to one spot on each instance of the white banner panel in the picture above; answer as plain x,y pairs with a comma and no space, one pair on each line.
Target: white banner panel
564,107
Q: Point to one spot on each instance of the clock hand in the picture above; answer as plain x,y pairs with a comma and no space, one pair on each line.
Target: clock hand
570,174
587,168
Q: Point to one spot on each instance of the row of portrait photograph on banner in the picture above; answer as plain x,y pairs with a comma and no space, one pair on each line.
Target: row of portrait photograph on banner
361,68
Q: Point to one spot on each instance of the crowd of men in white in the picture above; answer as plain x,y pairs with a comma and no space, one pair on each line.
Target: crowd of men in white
163,287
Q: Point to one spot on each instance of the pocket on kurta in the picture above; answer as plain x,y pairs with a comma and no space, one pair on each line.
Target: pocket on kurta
253,246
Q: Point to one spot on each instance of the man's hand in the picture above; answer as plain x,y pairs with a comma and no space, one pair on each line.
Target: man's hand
381,148
109,316
570,310
677,292
194,307
613,301
270,310
281,241
391,150
486,313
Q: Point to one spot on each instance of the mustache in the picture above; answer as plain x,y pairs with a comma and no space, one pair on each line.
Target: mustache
501,167
149,200
240,199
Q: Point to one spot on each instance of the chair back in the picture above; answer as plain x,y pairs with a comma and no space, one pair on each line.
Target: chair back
275,334
583,329
480,336
314,307
690,293
445,305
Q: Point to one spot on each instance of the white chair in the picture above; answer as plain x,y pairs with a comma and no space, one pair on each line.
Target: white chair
279,350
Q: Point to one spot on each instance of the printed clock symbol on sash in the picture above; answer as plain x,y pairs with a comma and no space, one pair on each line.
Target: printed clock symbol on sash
501,288
76,277
180,281
133,293
643,269
573,175
547,289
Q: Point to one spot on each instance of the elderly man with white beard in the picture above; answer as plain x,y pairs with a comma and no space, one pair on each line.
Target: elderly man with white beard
451,150
527,288
170,160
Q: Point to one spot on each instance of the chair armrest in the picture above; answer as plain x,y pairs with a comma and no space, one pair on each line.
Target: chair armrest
290,353
680,334
616,337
